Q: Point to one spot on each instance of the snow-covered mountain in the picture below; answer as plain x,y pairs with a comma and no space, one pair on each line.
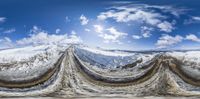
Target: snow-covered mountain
28,62
36,55
111,59
190,61
78,69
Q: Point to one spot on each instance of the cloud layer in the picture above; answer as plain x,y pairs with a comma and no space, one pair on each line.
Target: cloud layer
40,37
166,41
143,14
109,34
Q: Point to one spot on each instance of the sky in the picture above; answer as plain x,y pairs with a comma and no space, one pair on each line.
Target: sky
109,24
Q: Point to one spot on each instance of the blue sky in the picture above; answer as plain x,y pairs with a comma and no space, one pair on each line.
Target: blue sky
111,24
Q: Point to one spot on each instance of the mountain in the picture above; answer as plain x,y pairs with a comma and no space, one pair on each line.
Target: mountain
79,70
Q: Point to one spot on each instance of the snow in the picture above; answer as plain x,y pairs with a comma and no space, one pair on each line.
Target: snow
190,60
28,62
19,54
188,56
31,61
110,59
194,55
106,53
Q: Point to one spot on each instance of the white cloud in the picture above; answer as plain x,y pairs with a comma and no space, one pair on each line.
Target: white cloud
167,41
73,32
2,19
193,19
136,37
197,18
192,37
84,20
98,28
58,31
116,33
142,13
10,30
36,29
5,43
146,34
169,9
109,34
165,26
146,31
113,35
40,37
87,30
126,14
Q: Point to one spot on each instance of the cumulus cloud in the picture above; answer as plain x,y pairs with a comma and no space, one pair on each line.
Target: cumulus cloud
109,34
98,28
146,34
112,35
10,30
197,18
143,14
165,26
73,32
36,29
136,37
84,20
126,14
193,19
5,43
87,30
146,31
192,37
167,41
40,37
2,19
58,31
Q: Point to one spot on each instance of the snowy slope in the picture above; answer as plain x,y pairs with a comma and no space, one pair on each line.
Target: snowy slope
190,62
110,59
28,62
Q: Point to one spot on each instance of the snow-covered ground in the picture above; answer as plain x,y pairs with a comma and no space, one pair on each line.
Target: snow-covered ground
186,55
28,62
32,61
190,62
111,59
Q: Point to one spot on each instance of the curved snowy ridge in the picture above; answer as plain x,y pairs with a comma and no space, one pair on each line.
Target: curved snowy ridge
112,79
81,71
30,71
